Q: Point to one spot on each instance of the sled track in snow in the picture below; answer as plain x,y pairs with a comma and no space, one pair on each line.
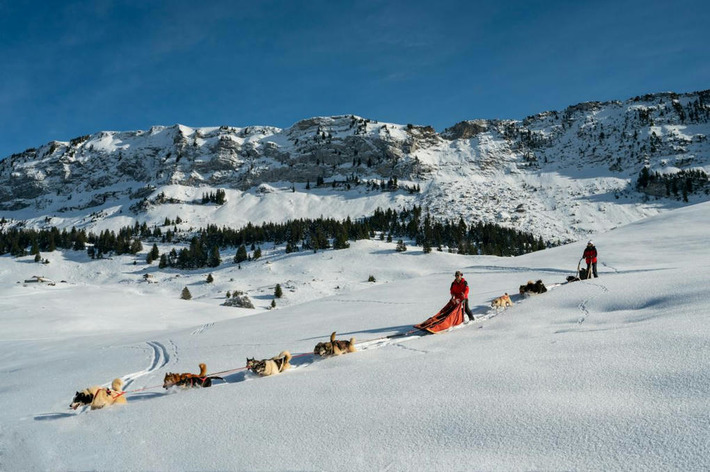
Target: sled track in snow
159,359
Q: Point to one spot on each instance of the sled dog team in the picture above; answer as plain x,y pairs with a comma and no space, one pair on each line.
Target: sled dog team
99,397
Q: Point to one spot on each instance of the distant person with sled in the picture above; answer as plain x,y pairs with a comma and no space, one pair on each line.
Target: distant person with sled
459,292
590,257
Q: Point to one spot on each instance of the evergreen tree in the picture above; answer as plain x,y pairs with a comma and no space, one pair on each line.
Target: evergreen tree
278,293
210,279
215,259
241,255
186,295
136,246
401,247
154,252
642,181
163,261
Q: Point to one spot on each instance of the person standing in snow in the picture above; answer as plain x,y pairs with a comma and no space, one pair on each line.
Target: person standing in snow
459,292
590,257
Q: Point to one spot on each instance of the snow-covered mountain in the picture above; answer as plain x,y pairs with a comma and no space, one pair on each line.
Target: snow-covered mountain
560,174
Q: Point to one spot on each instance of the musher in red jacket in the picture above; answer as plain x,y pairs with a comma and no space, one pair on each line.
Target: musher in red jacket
590,257
459,292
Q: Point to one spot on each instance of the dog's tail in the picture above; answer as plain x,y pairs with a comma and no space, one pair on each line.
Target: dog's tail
287,356
203,370
332,337
116,385
351,345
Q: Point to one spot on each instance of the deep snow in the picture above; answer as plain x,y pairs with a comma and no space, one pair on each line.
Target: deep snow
606,374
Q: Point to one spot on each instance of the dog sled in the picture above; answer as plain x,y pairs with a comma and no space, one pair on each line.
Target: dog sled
582,273
451,315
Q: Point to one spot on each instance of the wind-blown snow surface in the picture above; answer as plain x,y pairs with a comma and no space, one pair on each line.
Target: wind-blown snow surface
607,374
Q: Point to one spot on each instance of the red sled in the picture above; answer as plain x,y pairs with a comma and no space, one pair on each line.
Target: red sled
450,315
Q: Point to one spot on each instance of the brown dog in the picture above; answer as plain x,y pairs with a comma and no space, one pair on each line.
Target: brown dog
334,347
189,380
502,301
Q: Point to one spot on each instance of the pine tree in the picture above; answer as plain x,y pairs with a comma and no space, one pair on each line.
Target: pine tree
186,295
136,246
154,252
210,279
241,255
426,247
278,293
215,259
273,303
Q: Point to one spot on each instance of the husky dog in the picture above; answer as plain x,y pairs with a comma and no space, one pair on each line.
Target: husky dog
186,380
99,397
502,301
85,397
109,396
275,365
530,287
334,347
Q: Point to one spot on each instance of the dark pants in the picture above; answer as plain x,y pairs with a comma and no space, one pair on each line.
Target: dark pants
594,269
467,309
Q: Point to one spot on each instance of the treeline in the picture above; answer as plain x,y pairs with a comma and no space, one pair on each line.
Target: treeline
391,185
296,235
219,197
684,182
21,242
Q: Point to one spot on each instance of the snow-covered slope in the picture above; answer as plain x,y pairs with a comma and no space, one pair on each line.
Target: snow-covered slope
606,374
561,175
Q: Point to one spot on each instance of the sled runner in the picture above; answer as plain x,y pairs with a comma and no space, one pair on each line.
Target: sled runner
451,315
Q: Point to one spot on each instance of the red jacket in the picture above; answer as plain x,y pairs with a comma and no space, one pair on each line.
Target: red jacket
590,254
459,289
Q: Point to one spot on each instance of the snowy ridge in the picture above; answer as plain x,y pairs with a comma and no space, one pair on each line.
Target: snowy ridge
560,174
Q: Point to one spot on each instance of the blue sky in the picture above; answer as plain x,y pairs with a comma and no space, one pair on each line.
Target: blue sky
77,67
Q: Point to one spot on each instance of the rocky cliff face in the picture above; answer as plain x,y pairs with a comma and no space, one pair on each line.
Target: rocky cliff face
483,160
